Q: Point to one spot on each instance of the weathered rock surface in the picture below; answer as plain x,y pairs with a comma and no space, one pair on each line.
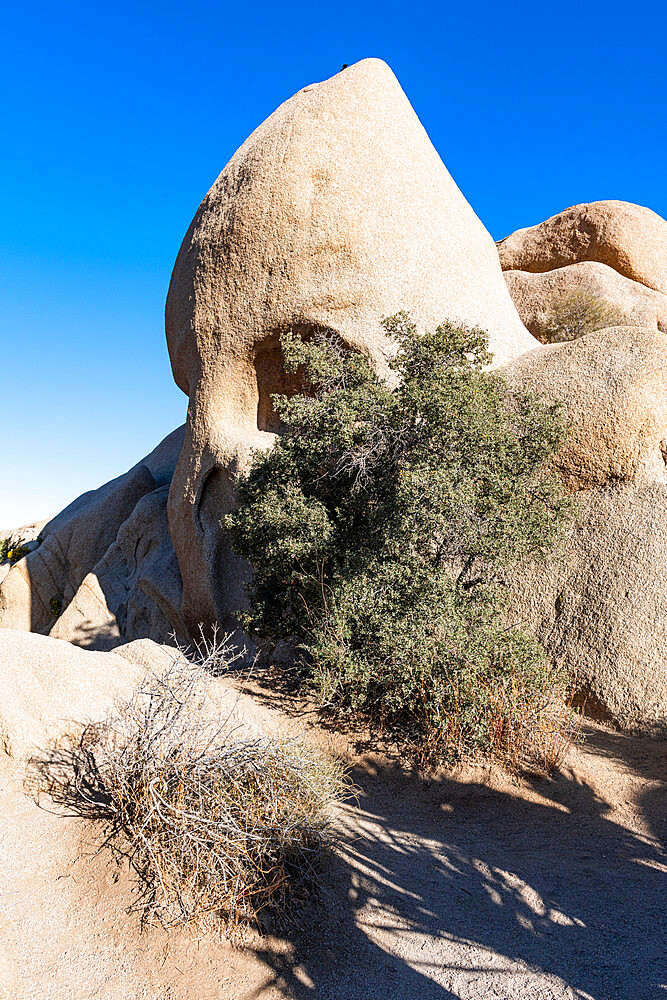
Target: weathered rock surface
134,591
614,386
335,212
535,294
629,238
602,612
78,539
49,688
72,543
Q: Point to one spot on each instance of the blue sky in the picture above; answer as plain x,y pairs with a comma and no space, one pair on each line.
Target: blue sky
116,119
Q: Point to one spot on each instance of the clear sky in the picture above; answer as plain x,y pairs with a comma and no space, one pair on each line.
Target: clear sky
116,118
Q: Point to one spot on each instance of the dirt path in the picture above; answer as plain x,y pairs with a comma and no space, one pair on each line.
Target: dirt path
470,886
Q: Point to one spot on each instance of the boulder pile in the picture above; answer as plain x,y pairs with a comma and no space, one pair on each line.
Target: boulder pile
335,212
612,250
104,571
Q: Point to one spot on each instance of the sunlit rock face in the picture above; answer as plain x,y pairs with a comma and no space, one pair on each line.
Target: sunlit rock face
630,239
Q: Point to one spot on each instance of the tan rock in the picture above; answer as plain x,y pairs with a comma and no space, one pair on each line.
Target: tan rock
87,620
614,386
76,540
148,654
49,688
629,238
535,294
601,612
73,542
335,212
225,698
134,591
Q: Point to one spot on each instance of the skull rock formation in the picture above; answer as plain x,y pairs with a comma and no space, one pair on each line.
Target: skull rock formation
335,212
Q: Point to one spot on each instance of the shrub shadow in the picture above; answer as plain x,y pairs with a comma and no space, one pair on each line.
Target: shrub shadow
447,888
456,890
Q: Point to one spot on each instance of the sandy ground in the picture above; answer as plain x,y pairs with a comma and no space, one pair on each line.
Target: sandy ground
470,885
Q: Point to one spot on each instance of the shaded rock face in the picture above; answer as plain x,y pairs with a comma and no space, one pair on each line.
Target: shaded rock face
105,569
601,610
335,212
72,543
628,238
135,590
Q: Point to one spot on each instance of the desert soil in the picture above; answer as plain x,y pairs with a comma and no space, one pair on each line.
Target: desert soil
470,884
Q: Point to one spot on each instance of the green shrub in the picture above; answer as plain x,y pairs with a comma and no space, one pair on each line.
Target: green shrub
573,314
379,527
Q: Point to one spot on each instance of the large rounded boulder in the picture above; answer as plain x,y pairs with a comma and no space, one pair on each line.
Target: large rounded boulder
629,238
613,384
600,606
335,212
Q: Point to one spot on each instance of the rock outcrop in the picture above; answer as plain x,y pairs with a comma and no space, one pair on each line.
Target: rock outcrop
614,387
135,590
536,293
601,609
628,238
335,212
107,554
49,689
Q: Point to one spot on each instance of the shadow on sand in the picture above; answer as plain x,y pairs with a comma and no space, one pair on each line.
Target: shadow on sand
447,888
458,890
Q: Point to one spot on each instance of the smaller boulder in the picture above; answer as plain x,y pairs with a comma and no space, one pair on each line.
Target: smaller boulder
536,294
50,689
613,385
629,238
